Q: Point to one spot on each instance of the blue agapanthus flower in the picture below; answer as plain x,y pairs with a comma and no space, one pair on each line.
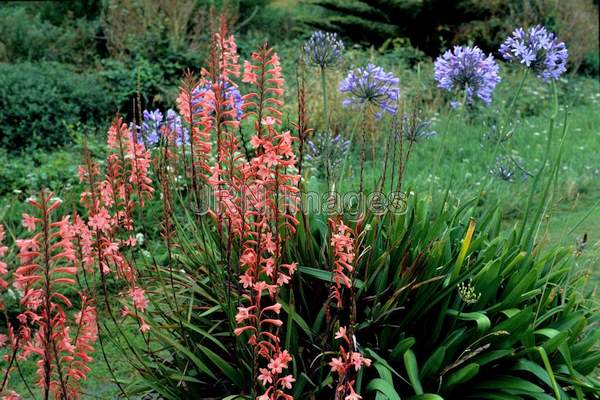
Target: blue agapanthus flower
323,49
371,85
231,94
173,123
151,124
537,49
468,70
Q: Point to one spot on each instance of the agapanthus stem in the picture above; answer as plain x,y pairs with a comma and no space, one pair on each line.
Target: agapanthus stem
513,102
325,104
326,127
352,134
539,174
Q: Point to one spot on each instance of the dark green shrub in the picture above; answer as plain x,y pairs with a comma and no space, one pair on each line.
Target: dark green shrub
123,80
24,36
37,100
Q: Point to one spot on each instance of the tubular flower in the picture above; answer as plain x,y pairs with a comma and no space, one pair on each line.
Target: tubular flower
537,49
348,363
228,60
323,49
203,95
111,198
3,266
342,244
371,86
195,109
468,70
258,199
267,77
48,265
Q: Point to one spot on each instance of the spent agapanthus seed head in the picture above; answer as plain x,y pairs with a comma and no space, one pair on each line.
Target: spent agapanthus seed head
469,71
537,49
371,85
323,49
413,126
326,152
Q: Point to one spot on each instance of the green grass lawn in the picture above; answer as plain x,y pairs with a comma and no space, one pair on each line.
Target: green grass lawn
456,160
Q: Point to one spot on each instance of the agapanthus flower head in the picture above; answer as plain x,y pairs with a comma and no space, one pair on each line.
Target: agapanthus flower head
468,70
537,49
174,125
323,49
152,121
154,125
371,85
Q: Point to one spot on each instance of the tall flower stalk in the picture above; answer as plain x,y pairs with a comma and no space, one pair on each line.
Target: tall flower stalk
350,360
324,50
372,91
48,267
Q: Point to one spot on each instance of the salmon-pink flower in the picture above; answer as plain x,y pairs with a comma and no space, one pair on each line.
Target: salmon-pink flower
276,308
358,360
276,365
101,221
248,258
144,327
341,333
140,302
239,331
249,75
337,365
246,281
264,396
244,313
12,395
342,244
3,340
353,395
48,265
265,376
29,222
287,381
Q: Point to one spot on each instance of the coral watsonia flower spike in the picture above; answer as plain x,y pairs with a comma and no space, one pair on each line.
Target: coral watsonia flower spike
47,270
265,101
3,266
258,198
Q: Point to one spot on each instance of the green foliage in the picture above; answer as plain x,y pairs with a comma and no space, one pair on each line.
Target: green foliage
428,24
434,24
28,37
532,332
38,101
125,80
22,174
